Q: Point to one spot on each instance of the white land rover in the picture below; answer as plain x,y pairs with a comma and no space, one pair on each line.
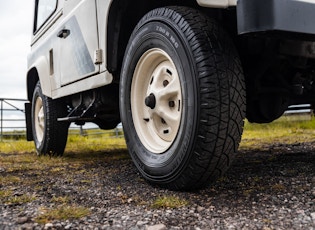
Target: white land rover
181,75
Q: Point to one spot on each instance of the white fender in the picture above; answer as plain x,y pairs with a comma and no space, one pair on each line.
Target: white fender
217,3
42,67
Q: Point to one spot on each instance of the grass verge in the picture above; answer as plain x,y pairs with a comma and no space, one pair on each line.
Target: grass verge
61,212
285,130
169,202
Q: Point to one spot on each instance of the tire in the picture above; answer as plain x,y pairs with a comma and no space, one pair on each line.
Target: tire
50,136
182,98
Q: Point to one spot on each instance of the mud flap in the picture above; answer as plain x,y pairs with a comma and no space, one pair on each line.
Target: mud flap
28,120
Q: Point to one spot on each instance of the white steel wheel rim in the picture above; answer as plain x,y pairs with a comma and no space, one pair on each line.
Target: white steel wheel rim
39,119
156,100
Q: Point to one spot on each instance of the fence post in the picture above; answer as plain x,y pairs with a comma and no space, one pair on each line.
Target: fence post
81,130
1,120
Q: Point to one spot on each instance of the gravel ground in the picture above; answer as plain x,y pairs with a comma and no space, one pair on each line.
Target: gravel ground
270,188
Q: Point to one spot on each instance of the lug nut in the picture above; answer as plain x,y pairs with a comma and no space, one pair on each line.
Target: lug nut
171,104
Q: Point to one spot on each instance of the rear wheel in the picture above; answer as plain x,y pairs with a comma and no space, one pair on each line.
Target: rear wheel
50,136
182,98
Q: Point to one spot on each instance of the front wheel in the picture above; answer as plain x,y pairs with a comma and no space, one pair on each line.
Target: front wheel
182,98
50,136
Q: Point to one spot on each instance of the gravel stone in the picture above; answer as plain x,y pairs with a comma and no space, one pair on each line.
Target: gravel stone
264,189
48,226
157,227
22,220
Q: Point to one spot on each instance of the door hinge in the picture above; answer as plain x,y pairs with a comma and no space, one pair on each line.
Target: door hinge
98,56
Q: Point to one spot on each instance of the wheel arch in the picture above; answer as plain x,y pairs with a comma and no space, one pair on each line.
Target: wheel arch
123,16
39,71
121,21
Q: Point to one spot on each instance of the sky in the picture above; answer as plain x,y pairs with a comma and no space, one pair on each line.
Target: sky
16,18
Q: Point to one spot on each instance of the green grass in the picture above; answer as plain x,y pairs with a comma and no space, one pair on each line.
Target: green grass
20,199
75,143
169,202
16,146
7,197
61,199
62,212
78,143
286,130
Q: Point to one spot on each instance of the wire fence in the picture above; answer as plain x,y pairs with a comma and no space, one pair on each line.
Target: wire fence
12,117
13,126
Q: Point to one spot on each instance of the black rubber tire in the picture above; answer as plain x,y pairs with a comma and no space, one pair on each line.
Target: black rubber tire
213,91
54,134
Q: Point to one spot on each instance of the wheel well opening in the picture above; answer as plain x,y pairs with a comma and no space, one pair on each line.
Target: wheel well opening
122,18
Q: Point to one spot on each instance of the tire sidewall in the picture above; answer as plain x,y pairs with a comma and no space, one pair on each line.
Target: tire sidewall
38,94
158,32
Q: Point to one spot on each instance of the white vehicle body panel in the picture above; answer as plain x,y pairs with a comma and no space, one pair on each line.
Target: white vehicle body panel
92,82
77,49
217,3
40,58
68,62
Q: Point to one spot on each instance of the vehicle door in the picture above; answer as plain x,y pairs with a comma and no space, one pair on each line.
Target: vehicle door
78,41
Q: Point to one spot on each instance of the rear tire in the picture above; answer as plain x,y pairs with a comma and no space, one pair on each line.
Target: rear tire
182,98
50,136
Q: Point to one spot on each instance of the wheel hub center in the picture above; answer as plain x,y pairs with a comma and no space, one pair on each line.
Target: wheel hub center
150,101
